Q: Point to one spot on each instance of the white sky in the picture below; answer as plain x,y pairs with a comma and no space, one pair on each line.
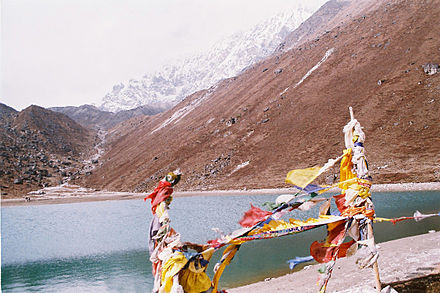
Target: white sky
72,52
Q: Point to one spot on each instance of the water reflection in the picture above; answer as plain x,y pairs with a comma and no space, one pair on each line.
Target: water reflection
117,272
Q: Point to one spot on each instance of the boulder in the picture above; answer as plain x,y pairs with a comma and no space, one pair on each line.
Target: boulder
430,68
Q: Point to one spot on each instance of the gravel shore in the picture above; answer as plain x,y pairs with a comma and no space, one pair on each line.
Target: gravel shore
73,194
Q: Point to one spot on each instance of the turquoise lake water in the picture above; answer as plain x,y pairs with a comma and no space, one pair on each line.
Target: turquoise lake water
102,246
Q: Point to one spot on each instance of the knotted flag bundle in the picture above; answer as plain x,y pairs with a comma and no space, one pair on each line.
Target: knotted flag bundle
182,266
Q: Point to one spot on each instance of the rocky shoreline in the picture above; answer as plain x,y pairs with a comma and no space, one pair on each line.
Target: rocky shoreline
72,193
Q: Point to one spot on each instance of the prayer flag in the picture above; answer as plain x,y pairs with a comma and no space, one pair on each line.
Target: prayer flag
303,177
253,216
297,260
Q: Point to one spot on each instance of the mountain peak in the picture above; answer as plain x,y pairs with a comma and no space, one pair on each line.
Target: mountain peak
225,59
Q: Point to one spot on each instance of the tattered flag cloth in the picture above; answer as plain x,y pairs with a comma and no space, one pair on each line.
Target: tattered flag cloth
298,260
314,188
277,228
329,249
190,269
227,256
160,193
303,177
253,216
351,211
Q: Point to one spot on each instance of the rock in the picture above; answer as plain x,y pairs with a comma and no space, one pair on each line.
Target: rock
44,173
430,68
231,121
18,181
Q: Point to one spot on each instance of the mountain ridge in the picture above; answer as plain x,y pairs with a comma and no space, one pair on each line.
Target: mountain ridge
94,118
225,59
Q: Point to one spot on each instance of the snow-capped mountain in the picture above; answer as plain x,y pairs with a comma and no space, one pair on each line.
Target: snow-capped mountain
225,59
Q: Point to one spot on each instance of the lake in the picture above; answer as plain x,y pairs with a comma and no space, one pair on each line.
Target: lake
102,246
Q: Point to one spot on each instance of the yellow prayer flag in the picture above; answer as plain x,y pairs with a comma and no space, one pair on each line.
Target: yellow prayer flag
303,177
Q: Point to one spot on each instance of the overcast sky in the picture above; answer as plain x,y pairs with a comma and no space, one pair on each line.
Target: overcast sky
72,52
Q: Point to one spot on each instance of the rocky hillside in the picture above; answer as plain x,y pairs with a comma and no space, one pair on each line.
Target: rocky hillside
6,113
39,148
288,111
91,117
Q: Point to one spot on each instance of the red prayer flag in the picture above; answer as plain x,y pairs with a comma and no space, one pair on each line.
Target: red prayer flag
326,251
160,193
253,216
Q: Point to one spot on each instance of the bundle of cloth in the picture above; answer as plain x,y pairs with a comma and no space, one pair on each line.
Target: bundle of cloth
177,266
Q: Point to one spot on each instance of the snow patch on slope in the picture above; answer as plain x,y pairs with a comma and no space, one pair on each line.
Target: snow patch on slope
242,165
181,113
327,54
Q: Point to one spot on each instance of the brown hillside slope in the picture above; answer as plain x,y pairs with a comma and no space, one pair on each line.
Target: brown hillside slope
254,122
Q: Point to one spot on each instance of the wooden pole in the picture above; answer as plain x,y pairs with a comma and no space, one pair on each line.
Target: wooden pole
375,265
351,113
370,232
